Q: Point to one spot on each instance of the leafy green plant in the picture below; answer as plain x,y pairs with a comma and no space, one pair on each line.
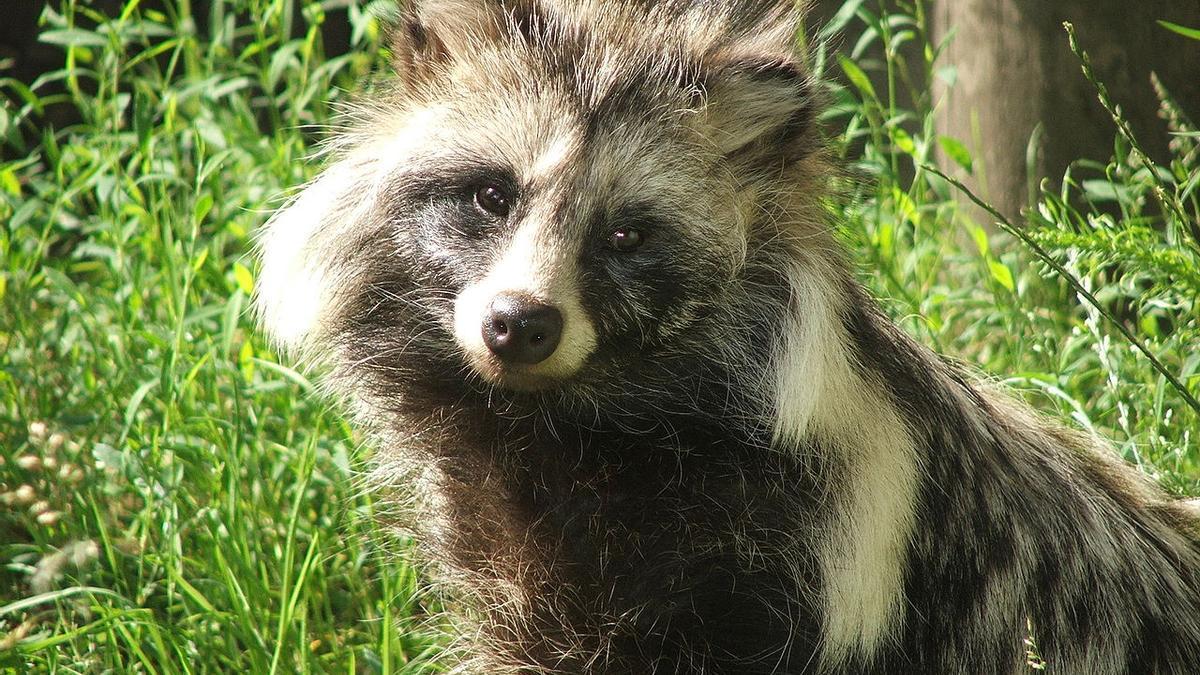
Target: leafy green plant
1130,231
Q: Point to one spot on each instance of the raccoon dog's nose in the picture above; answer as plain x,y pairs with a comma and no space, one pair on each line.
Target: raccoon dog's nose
519,329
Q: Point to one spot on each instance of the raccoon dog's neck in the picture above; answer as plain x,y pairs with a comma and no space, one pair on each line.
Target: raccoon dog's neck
574,273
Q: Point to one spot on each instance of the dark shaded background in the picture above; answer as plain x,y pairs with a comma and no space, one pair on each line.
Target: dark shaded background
29,58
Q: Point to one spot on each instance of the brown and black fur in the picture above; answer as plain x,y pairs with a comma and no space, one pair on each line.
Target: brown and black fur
736,464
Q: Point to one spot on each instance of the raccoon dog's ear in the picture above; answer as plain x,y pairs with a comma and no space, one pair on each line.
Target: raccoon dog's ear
432,33
762,107
759,97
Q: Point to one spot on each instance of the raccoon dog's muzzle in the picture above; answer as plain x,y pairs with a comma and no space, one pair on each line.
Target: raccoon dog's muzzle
523,325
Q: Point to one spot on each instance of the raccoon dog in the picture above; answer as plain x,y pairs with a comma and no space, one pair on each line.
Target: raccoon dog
574,274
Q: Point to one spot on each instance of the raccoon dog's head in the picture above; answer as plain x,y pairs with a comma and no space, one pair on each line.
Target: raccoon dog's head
552,194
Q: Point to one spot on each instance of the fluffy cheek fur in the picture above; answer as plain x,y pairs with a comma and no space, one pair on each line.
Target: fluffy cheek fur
314,250
646,303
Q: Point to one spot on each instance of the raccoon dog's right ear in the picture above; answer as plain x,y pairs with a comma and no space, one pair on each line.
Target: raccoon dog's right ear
430,34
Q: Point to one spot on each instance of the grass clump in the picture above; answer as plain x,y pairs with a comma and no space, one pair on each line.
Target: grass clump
172,499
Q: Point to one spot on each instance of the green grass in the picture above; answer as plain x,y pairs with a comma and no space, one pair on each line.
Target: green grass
174,499
206,501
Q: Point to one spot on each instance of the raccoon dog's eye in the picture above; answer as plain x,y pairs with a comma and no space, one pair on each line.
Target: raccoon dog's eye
493,199
626,239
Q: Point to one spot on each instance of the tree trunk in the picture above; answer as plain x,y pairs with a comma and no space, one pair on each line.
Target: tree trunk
1015,70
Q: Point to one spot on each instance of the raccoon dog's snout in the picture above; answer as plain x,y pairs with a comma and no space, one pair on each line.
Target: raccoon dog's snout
519,329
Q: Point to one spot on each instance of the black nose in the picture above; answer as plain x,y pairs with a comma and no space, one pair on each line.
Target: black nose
519,329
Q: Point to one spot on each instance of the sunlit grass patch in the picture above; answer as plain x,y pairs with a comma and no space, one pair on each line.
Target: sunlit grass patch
174,499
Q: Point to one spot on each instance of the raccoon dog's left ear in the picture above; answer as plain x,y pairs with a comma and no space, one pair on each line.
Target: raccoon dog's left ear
759,97
762,106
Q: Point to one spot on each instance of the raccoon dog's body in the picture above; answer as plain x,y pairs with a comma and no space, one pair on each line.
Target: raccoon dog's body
574,273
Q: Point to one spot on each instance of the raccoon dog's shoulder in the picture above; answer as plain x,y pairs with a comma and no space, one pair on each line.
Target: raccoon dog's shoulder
574,273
